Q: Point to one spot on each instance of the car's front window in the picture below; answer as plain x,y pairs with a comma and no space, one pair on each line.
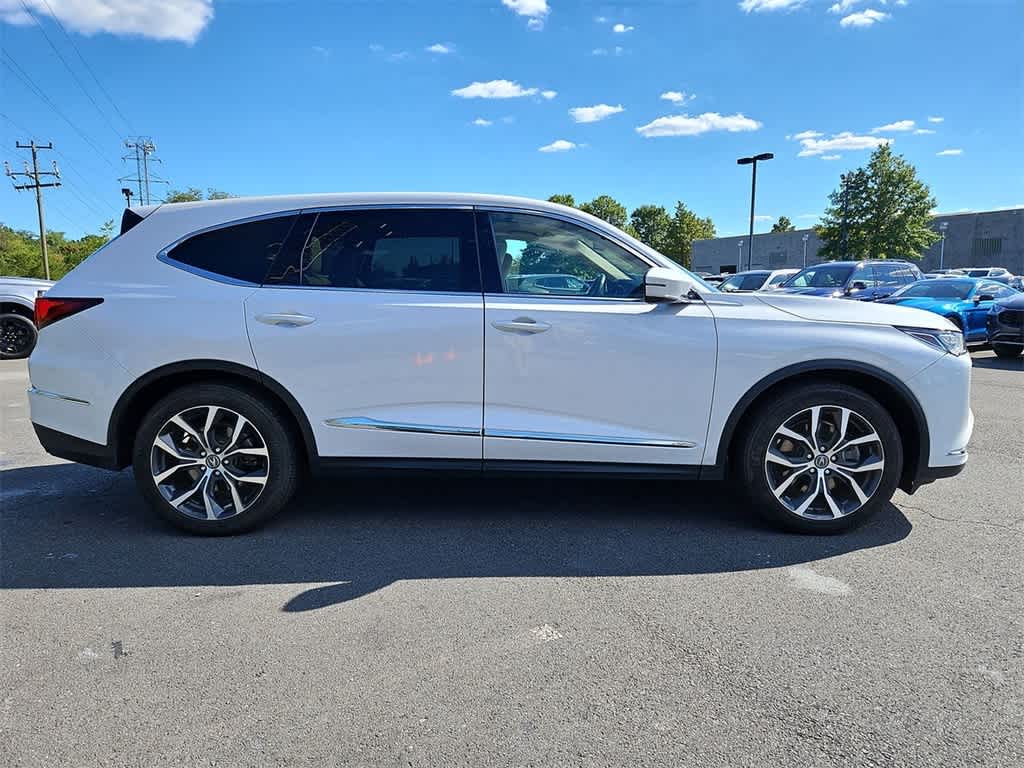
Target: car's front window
821,276
957,290
732,284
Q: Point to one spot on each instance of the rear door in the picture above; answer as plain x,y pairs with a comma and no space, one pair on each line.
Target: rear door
372,319
598,377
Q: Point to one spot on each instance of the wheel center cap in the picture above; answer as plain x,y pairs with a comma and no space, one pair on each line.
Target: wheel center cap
821,461
213,461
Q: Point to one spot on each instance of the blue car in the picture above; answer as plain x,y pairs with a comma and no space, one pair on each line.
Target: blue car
861,280
964,300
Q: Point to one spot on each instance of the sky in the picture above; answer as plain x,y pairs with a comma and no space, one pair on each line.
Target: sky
649,101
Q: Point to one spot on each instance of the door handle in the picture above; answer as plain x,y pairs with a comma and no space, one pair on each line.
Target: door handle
285,319
526,325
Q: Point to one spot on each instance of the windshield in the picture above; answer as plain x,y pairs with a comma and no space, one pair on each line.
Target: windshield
977,273
957,290
821,276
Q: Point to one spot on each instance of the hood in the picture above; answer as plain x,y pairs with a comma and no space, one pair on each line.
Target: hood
924,302
868,313
1012,302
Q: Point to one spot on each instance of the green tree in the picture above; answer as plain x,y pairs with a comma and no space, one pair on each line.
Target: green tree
783,225
686,227
19,253
194,194
563,200
880,211
651,225
607,208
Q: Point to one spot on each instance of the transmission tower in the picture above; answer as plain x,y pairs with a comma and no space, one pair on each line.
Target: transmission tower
35,175
143,152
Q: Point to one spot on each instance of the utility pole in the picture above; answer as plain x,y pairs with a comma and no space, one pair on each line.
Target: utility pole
143,153
35,174
846,211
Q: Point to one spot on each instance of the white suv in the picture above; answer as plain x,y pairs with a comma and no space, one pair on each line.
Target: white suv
223,348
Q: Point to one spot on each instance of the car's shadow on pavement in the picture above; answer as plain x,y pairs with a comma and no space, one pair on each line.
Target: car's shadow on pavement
999,363
68,526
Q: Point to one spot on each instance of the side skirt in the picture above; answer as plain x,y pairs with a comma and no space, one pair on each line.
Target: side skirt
507,466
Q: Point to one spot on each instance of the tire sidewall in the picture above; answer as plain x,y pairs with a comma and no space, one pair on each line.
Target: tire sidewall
32,332
282,477
773,414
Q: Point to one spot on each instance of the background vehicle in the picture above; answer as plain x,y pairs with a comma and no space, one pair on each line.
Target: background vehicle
1005,325
17,315
861,280
565,285
280,334
999,274
963,301
755,280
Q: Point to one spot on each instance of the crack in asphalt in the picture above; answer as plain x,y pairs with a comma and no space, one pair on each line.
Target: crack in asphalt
1014,528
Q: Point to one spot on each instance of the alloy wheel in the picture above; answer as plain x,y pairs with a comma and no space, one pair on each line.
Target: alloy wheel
15,336
209,462
824,462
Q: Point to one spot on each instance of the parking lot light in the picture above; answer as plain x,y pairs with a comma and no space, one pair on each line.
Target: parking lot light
753,160
942,248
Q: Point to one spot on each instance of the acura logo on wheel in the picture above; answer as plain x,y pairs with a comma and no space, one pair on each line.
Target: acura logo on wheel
821,461
213,461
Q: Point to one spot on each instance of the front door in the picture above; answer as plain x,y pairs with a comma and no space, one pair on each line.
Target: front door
372,319
598,375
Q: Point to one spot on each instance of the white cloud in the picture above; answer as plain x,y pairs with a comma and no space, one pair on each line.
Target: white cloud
844,141
763,217
599,52
676,97
936,119
923,132
601,19
808,216
558,146
182,20
844,5
757,6
534,10
618,50
594,113
483,122
494,89
807,135
441,48
866,18
831,157
549,94
899,125
399,56
621,28
949,153
684,125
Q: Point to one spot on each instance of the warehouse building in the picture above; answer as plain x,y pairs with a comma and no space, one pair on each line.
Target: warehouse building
982,239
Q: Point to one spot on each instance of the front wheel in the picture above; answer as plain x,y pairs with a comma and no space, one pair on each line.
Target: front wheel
821,458
215,459
1009,351
17,336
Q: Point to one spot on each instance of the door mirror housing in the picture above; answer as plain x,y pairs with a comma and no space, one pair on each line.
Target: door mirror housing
984,297
856,286
663,284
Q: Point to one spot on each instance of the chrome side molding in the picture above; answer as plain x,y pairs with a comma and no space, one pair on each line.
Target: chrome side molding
56,396
363,422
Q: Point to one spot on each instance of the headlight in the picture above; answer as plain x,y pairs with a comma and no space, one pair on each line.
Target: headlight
946,341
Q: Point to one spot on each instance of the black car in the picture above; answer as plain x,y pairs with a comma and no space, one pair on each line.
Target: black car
861,280
1005,324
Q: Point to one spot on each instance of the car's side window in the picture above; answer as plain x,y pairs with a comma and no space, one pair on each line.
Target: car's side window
998,290
779,279
384,249
542,256
863,275
240,251
891,275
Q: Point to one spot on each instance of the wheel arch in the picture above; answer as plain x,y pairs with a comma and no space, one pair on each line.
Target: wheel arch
14,305
888,390
136,400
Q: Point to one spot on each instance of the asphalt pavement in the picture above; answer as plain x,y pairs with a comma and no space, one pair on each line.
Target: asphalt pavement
410,621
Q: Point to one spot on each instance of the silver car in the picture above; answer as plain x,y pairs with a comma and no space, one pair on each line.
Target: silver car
17,315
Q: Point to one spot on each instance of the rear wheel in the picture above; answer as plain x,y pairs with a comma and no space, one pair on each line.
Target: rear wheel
1007,350
213,459
821,459
17,336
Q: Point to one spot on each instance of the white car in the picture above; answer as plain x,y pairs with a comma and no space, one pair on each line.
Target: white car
224,348
756,280
17,313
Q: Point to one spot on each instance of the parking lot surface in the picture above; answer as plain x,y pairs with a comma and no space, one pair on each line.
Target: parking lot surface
397,620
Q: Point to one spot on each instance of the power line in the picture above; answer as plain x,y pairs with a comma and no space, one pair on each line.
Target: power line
88,68
11,63
142,147
35,174
81,86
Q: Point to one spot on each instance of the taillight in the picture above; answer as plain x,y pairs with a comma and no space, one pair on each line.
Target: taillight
50,310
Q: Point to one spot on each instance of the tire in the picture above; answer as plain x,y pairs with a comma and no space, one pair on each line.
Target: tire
1008,351
827,485
239,478
18,336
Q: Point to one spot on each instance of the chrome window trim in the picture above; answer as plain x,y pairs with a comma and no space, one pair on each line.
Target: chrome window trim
57,396
568,437
364,422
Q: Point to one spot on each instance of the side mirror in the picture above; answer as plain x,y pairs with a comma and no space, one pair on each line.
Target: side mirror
984,297
856,286
662,284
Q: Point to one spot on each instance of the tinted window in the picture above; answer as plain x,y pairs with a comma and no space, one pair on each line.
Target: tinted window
822,276
750,282
943,288
864,275
779,279
891,274
534,250
242,251
998,290
390,249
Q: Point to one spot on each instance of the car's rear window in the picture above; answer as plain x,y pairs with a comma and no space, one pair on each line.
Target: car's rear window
242,251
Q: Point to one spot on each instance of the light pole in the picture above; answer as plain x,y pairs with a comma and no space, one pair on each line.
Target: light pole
753,192
942,248
739,261
804,238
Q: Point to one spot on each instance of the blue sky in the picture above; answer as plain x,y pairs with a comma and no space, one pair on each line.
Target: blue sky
279,96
